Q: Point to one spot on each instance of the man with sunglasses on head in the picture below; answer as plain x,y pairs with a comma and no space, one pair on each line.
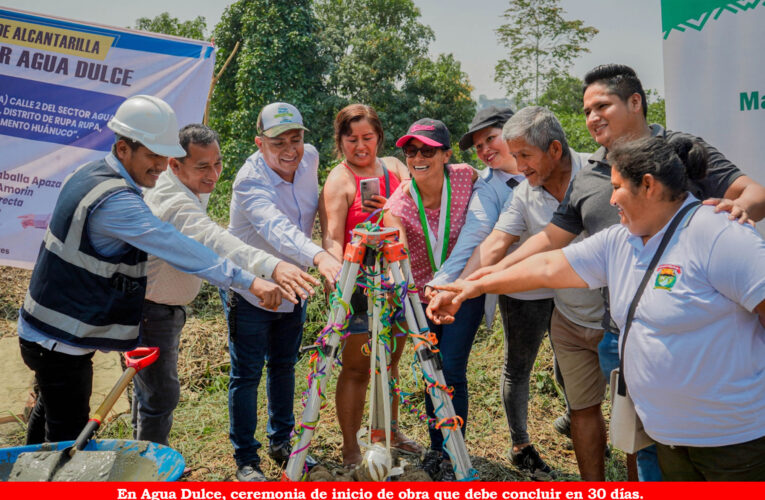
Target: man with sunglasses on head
274,201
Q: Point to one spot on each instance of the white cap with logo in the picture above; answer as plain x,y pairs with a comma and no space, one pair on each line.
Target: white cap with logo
277,118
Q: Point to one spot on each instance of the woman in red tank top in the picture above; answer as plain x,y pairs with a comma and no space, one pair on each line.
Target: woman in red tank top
358,140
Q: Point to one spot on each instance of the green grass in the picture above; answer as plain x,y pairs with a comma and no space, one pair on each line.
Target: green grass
200,430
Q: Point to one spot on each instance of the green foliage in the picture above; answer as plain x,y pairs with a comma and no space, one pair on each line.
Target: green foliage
320,56
563,95
163,23
578,136
376,53
440,89
657,111
278,60
541,45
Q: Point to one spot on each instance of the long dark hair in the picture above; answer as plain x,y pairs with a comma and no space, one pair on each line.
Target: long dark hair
671,162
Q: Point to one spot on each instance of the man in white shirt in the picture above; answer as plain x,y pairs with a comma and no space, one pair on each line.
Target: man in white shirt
180,198
273,206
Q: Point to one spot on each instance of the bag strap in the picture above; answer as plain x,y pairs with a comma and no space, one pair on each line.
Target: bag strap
622,386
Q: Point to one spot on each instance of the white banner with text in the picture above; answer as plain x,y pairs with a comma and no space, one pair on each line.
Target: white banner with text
60,83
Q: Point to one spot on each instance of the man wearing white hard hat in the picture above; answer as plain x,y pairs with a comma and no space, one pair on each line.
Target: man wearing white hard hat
88,285
274,201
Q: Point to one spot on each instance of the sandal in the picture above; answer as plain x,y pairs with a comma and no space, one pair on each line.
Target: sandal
398,441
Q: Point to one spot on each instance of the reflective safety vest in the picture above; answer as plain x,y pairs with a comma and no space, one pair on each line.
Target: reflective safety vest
76,295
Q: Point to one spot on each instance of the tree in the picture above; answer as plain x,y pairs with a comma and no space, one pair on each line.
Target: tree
440,89
563,95
541,45
278,60
321,55
163,23
376,52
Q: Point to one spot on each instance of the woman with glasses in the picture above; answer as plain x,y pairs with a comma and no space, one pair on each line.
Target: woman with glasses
430,211
358,140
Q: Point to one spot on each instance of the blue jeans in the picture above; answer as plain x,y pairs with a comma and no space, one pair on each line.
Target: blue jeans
608,355
455,342
156,389
257,337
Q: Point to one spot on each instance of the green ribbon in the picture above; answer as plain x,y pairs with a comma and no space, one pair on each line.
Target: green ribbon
424,220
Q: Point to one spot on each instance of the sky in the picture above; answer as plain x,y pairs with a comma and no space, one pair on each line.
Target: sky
630,31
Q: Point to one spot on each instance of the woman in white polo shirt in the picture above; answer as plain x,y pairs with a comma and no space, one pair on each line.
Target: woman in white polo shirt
695,355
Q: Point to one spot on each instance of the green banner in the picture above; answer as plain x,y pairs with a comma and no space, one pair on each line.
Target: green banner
681,15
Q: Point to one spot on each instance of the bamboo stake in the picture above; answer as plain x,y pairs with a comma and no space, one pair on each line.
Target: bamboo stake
215,81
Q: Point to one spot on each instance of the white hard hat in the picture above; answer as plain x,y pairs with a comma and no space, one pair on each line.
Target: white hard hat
150,121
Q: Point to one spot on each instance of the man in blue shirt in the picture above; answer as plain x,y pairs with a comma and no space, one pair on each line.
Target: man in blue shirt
89,282
274,201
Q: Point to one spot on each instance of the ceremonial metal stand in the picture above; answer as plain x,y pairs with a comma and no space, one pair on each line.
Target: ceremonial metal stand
382,257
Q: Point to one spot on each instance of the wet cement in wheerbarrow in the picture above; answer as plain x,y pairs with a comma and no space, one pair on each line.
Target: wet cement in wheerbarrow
124,463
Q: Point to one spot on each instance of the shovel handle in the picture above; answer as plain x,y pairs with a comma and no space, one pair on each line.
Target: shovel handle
135,360
141,358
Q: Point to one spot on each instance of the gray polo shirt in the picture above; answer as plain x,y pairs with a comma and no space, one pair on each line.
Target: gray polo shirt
529,212
587,204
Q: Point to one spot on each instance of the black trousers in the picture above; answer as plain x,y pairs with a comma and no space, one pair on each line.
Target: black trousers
736,462
65,383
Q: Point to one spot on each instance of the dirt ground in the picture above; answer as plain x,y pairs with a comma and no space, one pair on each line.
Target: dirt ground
18,380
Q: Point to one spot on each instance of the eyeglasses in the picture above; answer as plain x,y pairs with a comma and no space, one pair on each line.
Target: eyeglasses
425,151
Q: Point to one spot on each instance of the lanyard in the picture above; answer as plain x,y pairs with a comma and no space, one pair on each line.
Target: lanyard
441,238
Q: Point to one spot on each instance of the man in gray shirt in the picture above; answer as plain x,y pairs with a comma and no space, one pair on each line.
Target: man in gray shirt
615,107
536,139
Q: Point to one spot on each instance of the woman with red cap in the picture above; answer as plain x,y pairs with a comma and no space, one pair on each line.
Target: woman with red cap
430,211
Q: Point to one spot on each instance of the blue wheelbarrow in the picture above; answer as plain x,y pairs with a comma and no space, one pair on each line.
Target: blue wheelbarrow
96,460
133,460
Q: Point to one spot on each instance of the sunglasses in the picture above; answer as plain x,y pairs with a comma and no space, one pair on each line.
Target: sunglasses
425,151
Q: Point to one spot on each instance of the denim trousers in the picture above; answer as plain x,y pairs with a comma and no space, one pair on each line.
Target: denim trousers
454,343
525,323
65,382
259,338
156,389
608,355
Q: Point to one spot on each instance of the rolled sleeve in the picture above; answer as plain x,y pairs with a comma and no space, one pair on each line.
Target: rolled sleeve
567,216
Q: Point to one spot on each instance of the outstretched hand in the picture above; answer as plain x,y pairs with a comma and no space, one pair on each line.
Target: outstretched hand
329,267
441,310
270,294
292,278
462,290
